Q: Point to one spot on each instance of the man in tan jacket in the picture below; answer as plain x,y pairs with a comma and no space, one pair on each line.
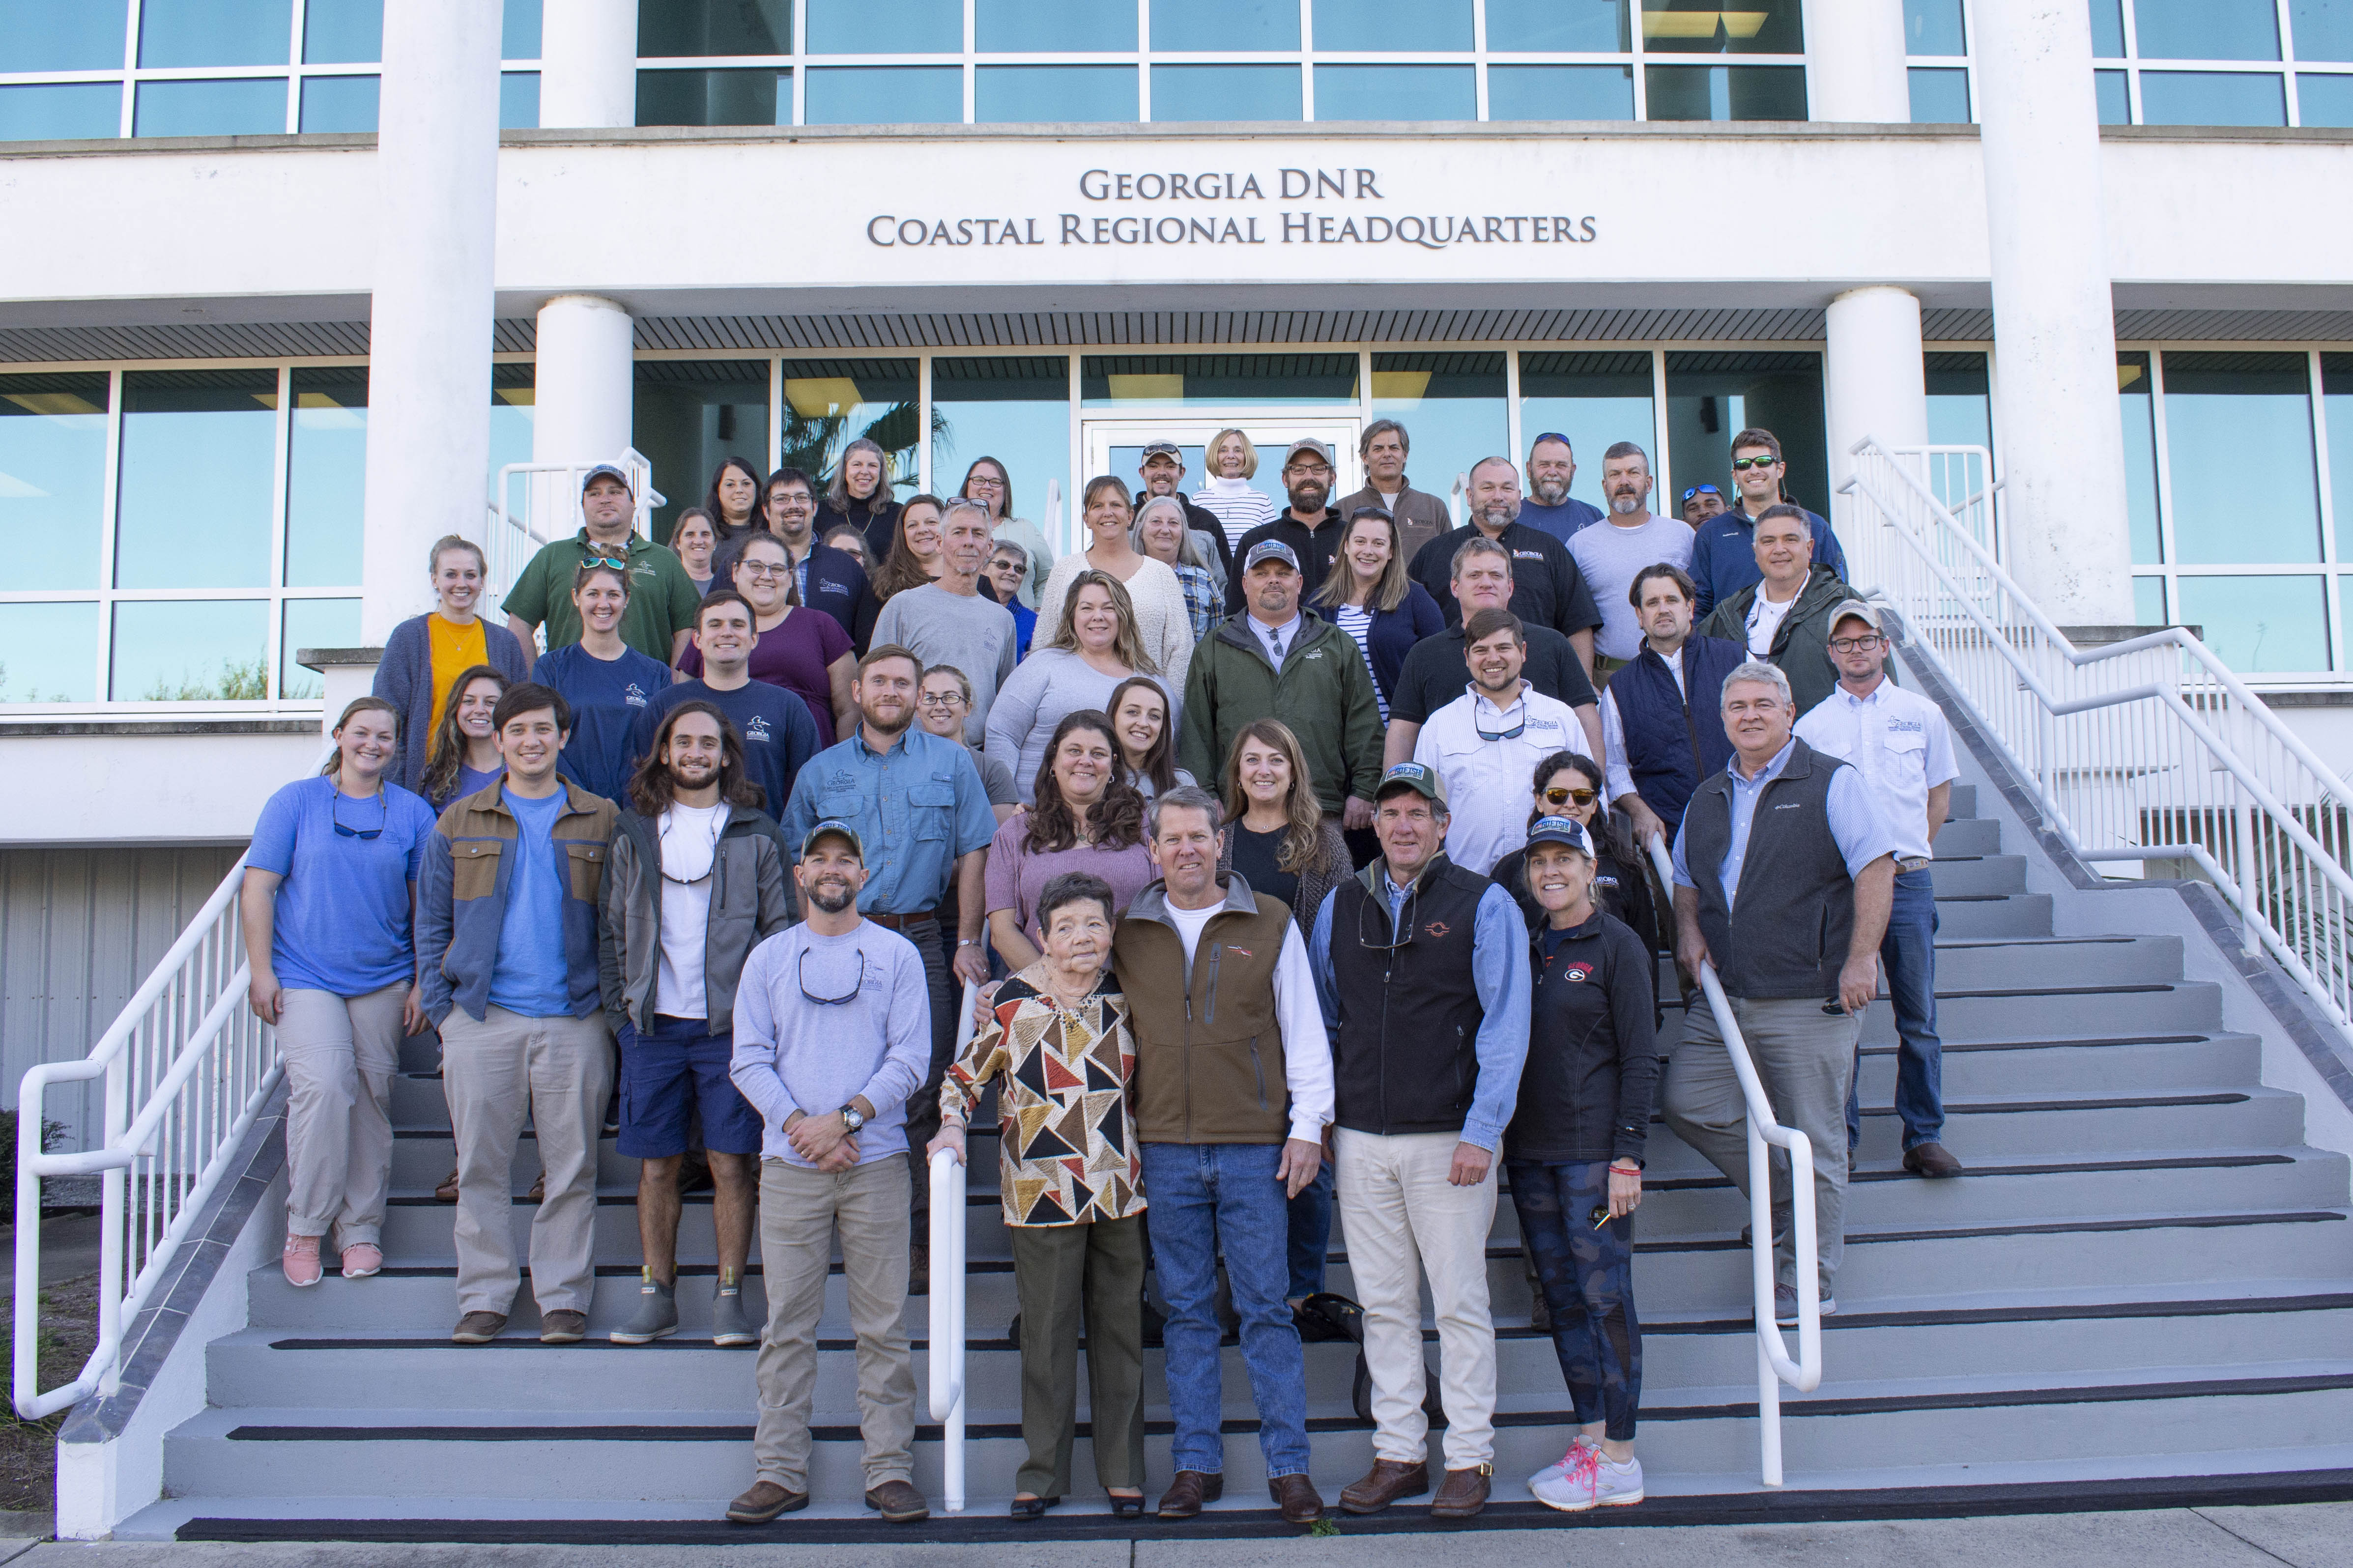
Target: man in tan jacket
1421,516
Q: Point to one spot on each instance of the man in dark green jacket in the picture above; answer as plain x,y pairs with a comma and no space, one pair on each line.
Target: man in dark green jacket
1785,619
1269,661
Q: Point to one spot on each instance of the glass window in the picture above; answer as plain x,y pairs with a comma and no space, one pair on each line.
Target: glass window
2211,97
1560,92
2238,446
60,111
211,108
1052,26
2148,602
885,26
2136,407
2206,29
2115,98
326,477
1112,381
2336,387
512,401
194,503
884,95
45,36
690,415
1961,400
519,100
1939,96
519,31
52,478
1018,95
1711,397
1595,400
1601,25
1396,92
1696,27
691,27
830,403
1725,93
2259,626
1017,411
339,103
1453,408
2107,29
713,97
313,623
2322,30
1392,25
1225,92
2325,99
49,653
214,32
191,651
1225,25
1934,27
343,32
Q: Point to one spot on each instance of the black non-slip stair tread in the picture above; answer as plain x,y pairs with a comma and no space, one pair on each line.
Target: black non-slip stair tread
1890,1047
1978,1169
2114,988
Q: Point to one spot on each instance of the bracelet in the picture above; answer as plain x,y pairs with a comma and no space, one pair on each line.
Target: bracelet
1625,1170
967,942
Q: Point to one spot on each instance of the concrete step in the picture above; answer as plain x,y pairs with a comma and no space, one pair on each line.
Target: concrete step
2152,1065
1993,915
1978,874
2091,1012
1969,837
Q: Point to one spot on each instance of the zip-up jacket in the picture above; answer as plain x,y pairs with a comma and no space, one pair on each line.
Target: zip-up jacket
748,902
1210,1066
1323,693
1802,643
1593,1049
461,897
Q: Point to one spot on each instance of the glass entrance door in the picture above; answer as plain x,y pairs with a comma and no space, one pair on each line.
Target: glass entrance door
1115,446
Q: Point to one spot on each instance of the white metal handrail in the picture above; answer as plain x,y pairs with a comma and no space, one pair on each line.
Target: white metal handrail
550,512
2145,750
949,1226
1775,1365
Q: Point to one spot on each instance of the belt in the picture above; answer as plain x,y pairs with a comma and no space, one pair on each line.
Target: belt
901,922
1903,863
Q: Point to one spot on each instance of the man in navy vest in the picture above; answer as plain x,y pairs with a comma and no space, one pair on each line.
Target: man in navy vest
1660,719
1784,874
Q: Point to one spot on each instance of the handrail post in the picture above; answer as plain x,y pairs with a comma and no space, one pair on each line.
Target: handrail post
1761,1282
949,1235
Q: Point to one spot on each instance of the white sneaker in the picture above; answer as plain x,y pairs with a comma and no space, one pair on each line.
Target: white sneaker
1560,1466
1587,1479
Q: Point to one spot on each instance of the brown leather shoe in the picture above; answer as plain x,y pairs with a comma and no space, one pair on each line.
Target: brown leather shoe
562,1328
1464,1494
898,1502
763,1502
479,1328
1385,1482
447,1192
539,1189
1931,1160
1189,1492
1297,1497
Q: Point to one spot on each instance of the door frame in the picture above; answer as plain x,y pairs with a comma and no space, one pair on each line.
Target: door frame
1271,433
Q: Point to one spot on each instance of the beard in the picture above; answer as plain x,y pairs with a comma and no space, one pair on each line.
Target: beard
1498,515
1308,496
831,895
1548,492
1626,504
889,724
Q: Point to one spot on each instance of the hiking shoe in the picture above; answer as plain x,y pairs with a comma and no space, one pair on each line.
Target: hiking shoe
763,1502
898,1502
362,1260
479,1328
655,1317
562,1328
730,1323
1785,1306
300,1261
1586,1477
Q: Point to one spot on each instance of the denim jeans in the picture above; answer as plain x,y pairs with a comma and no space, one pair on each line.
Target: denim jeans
1310,1233
1204,1196
1909,953
1587,1277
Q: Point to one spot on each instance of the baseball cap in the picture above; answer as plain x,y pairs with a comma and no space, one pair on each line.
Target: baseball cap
1164,449
1308,444
1856,609
606,471
833,826
1703,490
1565,830
1270,550
1415,776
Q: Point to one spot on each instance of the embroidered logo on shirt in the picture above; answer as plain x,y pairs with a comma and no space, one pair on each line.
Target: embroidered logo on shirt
1436,930
1788,806
1528,555
1577,971
634,695
1244,951
757,730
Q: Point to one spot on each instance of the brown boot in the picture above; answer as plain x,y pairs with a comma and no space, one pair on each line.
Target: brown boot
1385,1482
1190,1493
1297,1497
763,1502
1464,1494
898,1502
448,1190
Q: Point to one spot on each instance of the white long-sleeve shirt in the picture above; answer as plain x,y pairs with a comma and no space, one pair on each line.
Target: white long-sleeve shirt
1306,1048
1487,780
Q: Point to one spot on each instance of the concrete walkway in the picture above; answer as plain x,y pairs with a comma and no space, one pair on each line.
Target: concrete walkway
68,1251
2306,1535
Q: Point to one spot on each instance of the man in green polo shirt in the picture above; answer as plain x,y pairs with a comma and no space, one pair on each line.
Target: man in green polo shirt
662,597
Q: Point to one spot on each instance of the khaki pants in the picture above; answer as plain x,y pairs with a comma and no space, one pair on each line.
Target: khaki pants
559,1071
799,1211
341,1054
1404,1219
1055,1268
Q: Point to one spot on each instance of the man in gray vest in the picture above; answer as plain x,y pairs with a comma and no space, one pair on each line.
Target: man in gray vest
1799,955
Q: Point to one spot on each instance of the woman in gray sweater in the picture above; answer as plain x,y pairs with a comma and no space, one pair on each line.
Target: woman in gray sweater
1094,648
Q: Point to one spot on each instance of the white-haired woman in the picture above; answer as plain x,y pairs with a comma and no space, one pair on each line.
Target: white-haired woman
1161,532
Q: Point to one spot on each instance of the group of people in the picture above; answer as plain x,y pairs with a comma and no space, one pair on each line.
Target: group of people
1305,860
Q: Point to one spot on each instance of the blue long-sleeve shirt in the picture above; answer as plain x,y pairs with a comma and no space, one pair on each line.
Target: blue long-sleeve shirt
1499,972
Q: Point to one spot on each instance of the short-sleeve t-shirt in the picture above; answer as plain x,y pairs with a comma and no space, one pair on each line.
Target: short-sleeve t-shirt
797,654
606,698
455,649
340,923
531,976
662,599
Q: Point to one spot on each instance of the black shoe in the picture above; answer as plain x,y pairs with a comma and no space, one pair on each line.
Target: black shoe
1313,1327
1155,1327
919,1269
1539,1313
1033,1506
1126,1507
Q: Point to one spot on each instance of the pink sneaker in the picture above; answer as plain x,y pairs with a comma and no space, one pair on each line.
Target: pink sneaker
362,1259
300,1260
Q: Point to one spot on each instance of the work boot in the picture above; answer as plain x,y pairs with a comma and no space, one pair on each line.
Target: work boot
655,1317
731,1324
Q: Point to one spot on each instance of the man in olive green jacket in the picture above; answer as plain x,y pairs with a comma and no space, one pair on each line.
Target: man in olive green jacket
1786,618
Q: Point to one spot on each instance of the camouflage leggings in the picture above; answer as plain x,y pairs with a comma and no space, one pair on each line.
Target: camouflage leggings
1588,1278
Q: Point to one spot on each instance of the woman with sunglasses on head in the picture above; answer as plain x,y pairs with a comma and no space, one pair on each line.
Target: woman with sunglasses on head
1161,531
1147,740
425,654
987,482
607,682
465,747
330,885
803,650
695,540
859,495
1568,783
1163,620
1084,815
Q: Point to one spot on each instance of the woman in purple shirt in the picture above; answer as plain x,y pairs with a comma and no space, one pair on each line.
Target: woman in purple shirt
1088,816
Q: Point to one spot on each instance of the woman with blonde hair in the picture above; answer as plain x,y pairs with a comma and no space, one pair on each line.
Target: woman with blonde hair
1239,505
1162,619
1161,531
859,494
1096,645
426,654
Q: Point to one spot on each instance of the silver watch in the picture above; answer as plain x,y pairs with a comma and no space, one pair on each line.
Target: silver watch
852,1122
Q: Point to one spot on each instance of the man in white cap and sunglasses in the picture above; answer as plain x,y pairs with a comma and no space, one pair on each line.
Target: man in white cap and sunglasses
1162,472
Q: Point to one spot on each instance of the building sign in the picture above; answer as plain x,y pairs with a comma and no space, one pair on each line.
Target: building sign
1263,206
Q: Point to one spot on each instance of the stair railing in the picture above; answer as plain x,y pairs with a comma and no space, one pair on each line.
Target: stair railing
2146,750
949,1226
551,511
1775,1365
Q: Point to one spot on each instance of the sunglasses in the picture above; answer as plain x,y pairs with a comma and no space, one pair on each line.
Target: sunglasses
1740,463
1514,733
1702,490
801,978
619,564
1558,796
1543,435
335,817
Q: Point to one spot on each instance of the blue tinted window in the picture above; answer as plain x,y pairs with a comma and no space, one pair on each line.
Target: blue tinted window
1556,25
1225,92
2115,98
183,651
339,103
1014,95
689,27
49,653
1396,92
1759,27
885,26
2206,29
2148,602
519,33
2136,408
1392,25
313,623
2211,97
1560,92
1594,399
519,100
1017,411
2237,444
2321,29
2259,626
326,477
53,453
713,97
343,32
1933,27
1061,25
1940,97
2325,99
193,505
885,95
60,111
512,401
214,32
51,36
2107,29
1225,25
1452,406
1725,93
210,108
2337,384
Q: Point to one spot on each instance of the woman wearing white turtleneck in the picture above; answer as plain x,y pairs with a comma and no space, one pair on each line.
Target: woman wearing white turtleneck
1229,494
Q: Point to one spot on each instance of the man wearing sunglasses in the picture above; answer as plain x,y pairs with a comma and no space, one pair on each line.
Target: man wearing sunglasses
832,1036
660,613
1702,502
1163,473
1723,556
1485,744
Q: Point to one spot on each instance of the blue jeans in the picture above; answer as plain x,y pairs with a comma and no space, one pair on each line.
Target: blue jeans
1909,953
1587,1277
1311,1233
1202,1195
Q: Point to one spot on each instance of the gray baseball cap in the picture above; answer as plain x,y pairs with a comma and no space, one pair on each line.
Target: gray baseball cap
1308,444
1270,550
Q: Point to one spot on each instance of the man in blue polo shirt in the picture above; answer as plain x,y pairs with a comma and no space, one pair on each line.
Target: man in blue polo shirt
1724,554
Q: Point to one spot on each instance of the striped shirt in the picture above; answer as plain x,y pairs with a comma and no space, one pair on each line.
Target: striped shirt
1358,622
1237,507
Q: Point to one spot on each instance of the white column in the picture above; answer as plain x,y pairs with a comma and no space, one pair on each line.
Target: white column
428,434
587,63
1873,382
1854,62
582,412
2055,422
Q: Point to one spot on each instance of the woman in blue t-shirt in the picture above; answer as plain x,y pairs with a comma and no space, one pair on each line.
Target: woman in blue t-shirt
329,886
607,682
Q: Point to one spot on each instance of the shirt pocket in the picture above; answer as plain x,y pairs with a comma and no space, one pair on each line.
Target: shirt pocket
587,862
845,804
1903,742
931,803
474,869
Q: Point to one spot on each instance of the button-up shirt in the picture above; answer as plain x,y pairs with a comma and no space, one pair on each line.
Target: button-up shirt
1899,741
1278,641
916,806
1485,766
1621,781
1854,822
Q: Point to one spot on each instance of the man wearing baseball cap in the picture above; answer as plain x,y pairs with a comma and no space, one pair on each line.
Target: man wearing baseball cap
660,614
1423,972
1311,525
1162,470
832,1035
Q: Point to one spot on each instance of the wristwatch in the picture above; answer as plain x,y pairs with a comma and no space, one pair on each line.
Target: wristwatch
852,1122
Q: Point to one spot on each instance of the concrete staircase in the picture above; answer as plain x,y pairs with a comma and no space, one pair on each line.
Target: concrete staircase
2144,1273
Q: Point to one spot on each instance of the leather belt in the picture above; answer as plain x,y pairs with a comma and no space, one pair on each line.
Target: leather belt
1905,863
901,922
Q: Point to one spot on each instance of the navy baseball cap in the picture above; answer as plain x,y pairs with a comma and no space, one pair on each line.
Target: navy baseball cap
1565,830
1271,550
606,471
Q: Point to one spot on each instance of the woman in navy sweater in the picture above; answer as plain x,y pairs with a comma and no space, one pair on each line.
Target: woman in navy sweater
1368,594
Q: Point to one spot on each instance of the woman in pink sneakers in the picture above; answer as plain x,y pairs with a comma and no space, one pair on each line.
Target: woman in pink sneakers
328,889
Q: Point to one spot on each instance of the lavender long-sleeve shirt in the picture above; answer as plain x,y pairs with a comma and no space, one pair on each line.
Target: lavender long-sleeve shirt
797,1049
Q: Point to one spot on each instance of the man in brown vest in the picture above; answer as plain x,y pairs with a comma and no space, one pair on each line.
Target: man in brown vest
1233,1087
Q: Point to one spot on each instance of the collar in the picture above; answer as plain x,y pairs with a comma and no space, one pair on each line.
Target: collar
1264,631
904,743
1481,699
1673,656
1331,516
634,544
1152,904
1590,926
1375,877
1770,771
1870,698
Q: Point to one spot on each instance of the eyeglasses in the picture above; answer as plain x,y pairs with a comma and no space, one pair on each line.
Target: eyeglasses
942,699
342,830
1310,470
1740,463
983,482
801,978
755,569
1857,645
1558,797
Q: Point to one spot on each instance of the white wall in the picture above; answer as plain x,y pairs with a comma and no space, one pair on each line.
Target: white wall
144,789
